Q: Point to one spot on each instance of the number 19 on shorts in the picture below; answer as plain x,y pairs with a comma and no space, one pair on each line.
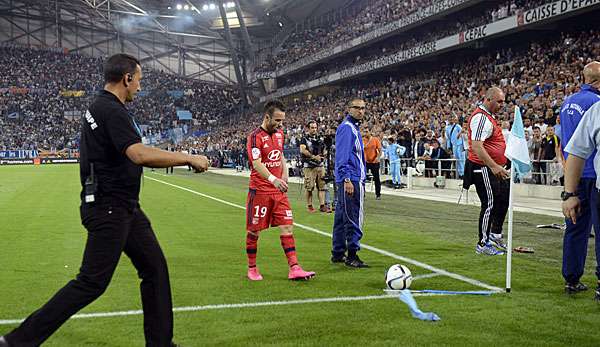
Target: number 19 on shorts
260,212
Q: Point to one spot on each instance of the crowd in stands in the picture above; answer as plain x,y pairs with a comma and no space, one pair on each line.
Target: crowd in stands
416,109
35,113
432,32
378,13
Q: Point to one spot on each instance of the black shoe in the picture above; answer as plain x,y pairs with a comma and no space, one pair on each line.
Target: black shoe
338,259
378,197
597,295
355,262
3,342
575,288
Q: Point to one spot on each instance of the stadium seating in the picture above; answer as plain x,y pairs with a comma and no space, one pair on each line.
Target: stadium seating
42,92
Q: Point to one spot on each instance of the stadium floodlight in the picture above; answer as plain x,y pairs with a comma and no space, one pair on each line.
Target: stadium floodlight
280,24
168,7
179,6
212,6
205,7
230,4
186,7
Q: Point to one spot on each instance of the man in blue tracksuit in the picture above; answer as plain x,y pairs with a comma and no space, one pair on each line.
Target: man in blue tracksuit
393,152
454,143
577,235
350,173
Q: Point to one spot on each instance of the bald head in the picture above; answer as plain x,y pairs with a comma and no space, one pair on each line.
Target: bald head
493,91
494,99
591,73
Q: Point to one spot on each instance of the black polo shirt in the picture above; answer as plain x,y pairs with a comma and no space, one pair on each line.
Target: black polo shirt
107,130
316,146
549,146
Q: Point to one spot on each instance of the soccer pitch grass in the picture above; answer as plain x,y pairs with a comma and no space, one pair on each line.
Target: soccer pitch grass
204,241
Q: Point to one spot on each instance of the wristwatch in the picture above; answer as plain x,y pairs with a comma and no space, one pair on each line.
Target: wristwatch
346,180
566,195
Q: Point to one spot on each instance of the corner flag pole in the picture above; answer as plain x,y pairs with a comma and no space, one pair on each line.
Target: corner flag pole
510,228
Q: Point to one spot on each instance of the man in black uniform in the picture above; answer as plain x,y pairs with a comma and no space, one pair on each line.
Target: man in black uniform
112,157
312,148
170,148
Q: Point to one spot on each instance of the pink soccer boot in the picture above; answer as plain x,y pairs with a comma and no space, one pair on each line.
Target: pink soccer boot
296,273
254,275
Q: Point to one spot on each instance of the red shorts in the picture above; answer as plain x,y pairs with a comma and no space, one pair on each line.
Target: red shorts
267,209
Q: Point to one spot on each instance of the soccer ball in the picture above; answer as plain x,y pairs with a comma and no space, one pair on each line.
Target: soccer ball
398,277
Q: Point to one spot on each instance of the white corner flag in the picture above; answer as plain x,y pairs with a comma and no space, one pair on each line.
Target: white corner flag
516,145
518,153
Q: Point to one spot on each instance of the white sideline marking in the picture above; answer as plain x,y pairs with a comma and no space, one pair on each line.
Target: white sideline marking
373,249
230,306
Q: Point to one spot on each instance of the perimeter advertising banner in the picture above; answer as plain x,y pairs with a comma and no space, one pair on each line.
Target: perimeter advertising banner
39,161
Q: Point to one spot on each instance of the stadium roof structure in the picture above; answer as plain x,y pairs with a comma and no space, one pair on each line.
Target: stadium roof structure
189,38
184,37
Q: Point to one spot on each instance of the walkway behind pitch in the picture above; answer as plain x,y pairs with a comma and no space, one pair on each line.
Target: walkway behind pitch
450,194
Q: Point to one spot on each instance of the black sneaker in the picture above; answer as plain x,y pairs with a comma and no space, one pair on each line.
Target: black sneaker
3,342
355,262
575,288
597,295
378,197
338,259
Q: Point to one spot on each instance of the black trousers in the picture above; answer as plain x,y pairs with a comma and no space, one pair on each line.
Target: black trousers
374,168
493,194
113,227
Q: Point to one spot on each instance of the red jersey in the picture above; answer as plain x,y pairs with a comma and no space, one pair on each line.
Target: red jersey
483,127
269,149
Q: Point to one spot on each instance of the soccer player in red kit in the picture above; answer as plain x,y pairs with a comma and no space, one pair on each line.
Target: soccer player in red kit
267,204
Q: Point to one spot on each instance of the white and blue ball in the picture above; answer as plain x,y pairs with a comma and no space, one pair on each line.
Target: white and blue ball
398,277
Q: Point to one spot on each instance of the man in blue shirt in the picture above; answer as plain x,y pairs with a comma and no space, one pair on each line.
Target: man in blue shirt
454,143
577,235
393,152
350,174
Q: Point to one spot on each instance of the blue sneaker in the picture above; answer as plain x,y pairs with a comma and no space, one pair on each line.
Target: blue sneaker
488,249
496,241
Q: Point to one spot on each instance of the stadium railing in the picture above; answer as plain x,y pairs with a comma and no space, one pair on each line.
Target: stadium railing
544,172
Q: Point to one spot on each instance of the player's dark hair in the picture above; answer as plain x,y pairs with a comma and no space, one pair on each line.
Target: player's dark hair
273,105
118,66
311,122
353,100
